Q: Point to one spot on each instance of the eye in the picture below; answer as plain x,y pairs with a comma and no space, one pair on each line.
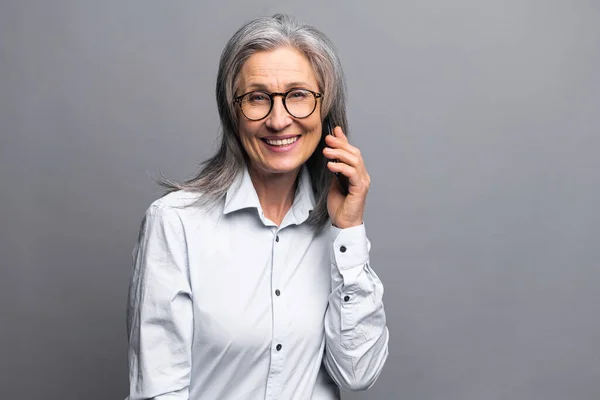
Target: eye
299,94
258,97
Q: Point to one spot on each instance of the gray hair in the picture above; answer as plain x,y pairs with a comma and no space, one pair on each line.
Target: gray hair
264,34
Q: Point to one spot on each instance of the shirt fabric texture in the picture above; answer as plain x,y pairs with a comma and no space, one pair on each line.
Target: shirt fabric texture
224,304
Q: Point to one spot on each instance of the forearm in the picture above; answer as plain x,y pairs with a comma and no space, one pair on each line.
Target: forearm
355,323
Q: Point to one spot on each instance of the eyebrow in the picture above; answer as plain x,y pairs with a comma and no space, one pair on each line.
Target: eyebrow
262,86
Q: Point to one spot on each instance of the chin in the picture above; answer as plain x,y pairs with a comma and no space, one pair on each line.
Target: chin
283,168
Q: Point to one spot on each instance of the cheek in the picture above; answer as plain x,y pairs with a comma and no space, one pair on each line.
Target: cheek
247,131
314,138
316,130
248,145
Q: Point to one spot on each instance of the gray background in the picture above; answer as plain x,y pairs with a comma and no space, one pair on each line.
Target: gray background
479,122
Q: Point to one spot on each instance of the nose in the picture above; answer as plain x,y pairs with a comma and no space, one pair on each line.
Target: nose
278,118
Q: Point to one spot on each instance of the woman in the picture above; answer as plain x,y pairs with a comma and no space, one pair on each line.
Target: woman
252,281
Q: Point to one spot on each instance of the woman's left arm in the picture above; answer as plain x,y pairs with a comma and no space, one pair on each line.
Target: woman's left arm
355,325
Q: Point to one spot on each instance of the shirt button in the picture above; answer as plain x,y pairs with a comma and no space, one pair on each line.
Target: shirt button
278,347
277,292
346,298
343,249
277,238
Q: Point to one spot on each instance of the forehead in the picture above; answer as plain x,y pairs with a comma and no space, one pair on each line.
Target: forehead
277,70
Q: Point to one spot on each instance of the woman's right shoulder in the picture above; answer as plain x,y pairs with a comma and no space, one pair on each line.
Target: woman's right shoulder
177,199
182,203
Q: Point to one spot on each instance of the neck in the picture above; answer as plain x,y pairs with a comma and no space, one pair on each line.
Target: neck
275,192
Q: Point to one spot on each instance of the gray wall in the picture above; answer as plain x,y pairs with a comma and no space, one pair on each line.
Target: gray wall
479,122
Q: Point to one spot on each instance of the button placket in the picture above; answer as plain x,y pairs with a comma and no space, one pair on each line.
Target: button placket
277,291
279,318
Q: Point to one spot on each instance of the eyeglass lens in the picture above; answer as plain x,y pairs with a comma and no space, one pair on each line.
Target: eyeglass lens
299,103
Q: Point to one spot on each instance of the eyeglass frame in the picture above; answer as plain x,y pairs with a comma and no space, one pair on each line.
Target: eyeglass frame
271,97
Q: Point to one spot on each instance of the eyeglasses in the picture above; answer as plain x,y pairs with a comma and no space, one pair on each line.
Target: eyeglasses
299,103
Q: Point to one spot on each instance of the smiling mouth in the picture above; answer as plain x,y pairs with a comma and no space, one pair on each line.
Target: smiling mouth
281,142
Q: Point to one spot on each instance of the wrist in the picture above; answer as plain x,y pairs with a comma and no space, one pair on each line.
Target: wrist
346,225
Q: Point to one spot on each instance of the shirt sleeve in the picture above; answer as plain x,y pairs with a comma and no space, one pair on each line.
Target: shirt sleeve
356,334
159,312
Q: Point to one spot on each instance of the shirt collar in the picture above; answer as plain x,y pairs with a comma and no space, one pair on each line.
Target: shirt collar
242,194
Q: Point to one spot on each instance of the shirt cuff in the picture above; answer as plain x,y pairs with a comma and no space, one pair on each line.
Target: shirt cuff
350,246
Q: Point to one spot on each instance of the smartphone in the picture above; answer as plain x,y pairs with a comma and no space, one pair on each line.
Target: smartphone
342,179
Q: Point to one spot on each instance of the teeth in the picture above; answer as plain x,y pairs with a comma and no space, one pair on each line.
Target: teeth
282,142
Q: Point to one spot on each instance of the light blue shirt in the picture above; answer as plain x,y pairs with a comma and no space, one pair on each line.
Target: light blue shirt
224,304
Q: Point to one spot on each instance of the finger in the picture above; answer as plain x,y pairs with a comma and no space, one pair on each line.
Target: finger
358,175
348,171
336,142
343,156
338,132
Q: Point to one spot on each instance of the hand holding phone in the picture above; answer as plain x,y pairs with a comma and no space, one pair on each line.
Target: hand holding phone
342,179
345,208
